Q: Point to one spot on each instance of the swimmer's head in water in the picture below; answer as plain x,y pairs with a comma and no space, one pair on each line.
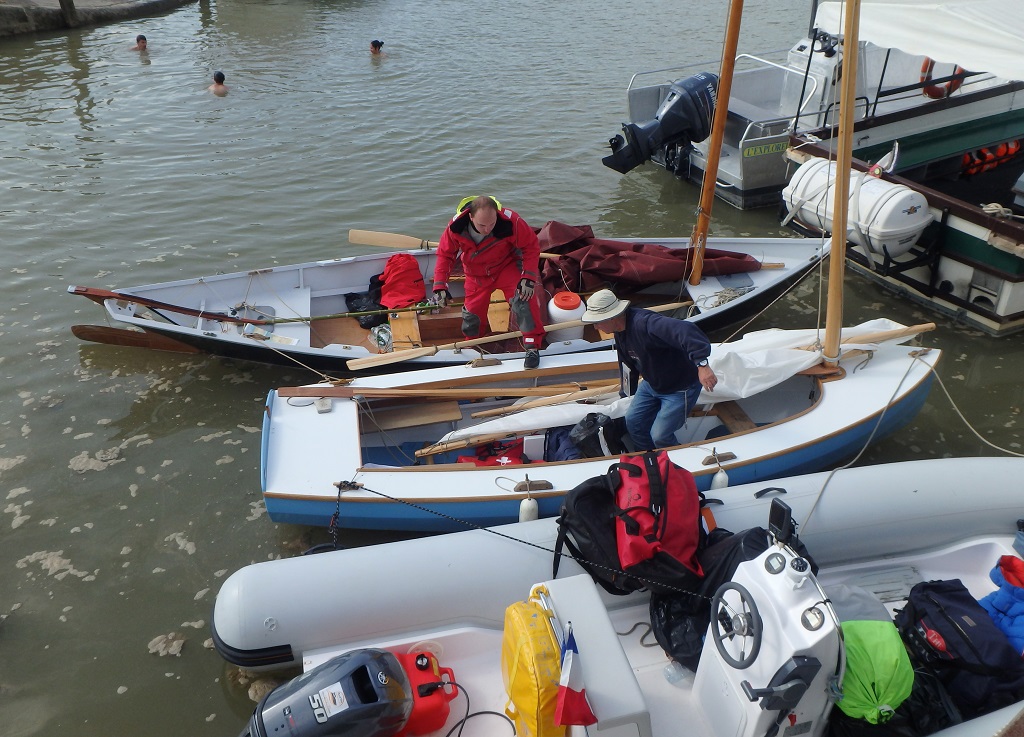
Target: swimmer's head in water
218,77
375,46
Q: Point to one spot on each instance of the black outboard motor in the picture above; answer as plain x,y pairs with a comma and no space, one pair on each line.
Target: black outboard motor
683,118
363,693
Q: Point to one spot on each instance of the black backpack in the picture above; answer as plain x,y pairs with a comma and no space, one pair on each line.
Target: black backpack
949,632
586,528
680,621
598,435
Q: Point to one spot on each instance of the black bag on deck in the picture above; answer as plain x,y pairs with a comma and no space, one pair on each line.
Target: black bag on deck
598,435
946,630
587,528
928,709
368,302
680,621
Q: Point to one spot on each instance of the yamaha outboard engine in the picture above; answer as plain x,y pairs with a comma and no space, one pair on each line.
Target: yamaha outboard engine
683,118
363,693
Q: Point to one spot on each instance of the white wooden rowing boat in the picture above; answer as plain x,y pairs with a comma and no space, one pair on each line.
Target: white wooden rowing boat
300,314
765,419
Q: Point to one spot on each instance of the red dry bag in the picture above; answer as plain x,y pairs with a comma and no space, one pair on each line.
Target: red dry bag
659,511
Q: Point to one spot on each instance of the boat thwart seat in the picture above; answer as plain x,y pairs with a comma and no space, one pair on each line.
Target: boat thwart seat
732,416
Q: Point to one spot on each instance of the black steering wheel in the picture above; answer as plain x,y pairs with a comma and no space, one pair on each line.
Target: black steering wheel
736,627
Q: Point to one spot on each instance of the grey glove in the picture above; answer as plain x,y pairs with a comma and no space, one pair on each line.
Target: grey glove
441,297
525,290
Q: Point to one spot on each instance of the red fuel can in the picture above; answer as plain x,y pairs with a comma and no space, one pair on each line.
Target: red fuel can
429,710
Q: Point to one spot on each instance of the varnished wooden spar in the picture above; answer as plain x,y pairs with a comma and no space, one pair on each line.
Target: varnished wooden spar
596,390
880,336
572,373
347,392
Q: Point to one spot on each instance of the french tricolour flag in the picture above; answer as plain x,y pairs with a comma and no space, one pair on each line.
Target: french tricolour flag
571,706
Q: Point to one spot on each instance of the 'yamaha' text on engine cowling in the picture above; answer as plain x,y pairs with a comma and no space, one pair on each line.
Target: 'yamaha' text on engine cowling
683,118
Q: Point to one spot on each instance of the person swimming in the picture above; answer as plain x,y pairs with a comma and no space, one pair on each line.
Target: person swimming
140,43
376,47
218,87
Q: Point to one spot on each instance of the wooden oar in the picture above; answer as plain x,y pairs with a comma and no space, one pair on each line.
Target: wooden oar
404,242
385,359
389,240
405,393
130,338
594,391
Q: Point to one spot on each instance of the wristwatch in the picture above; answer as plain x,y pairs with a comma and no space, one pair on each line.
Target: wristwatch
702,363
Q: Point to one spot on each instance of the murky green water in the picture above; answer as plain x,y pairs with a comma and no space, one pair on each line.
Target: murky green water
131,479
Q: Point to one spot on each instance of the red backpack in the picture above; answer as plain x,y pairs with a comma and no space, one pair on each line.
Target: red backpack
655,498
401,283
638,526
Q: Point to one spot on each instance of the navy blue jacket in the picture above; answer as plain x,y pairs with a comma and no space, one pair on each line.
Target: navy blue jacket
662,349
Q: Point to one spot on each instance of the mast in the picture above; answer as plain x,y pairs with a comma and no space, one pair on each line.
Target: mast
699,237
840,209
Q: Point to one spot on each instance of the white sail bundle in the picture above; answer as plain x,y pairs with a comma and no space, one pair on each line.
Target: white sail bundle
755,363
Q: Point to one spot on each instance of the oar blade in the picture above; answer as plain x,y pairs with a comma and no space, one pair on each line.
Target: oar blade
386,359
387,240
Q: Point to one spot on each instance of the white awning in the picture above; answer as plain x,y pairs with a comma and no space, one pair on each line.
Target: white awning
979,35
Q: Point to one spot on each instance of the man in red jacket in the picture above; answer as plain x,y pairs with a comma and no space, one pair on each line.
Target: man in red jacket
498,250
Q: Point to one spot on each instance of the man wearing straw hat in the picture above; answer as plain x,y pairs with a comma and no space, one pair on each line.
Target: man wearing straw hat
672,357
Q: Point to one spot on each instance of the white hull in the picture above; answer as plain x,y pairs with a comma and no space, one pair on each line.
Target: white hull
880,527
317,290
798,426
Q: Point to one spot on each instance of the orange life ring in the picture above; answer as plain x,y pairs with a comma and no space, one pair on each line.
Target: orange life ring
935,91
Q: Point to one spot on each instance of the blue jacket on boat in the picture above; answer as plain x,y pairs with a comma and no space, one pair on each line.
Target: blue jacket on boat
1006,605
663,350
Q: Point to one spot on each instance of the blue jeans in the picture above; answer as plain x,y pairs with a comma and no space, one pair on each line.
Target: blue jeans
653,418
